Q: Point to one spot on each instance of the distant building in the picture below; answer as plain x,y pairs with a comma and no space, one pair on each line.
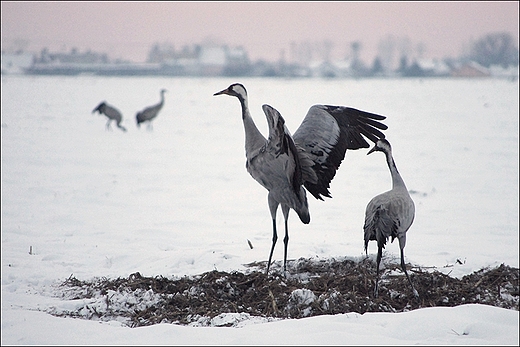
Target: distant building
510,72
237,62
73,57
470,69
216,59
16,63
434,67
208,59
212,60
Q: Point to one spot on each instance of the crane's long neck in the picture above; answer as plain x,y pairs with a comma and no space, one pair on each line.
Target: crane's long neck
254,138
397,180
162,99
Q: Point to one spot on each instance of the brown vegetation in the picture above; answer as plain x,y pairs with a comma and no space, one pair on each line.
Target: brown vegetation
309,288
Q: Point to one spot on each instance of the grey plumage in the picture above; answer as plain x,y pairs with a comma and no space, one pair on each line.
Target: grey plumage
285,164
390,214
149,113
112,114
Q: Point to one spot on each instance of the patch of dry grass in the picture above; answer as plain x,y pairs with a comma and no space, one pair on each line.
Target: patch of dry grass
309,288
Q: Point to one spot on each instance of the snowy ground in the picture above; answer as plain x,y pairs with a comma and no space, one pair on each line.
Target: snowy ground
79,200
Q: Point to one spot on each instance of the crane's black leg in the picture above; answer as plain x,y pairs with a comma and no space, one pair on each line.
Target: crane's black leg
108,125
275,238
378,261
285,211
403,266
273,206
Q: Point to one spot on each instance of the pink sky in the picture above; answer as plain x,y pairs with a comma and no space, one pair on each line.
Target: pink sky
128,29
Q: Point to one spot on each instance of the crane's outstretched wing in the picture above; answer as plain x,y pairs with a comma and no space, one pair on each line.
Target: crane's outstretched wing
327,132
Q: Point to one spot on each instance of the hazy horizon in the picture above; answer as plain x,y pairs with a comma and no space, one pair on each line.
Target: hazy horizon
266,30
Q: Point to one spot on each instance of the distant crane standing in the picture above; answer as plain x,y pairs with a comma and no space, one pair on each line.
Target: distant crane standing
389,214
285,164
149,113
112,114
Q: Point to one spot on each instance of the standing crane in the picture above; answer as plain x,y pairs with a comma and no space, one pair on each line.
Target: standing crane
112,113
149,113
285,164
389,214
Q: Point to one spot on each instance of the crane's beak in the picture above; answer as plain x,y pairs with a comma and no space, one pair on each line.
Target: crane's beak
225,91
373,149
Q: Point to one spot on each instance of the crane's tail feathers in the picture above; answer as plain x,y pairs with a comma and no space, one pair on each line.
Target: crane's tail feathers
317,190
305,217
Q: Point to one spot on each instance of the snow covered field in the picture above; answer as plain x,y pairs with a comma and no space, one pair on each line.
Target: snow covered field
79,200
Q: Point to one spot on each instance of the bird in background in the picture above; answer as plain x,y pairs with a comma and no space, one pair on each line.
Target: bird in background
149,113
389,214
112,113
285,164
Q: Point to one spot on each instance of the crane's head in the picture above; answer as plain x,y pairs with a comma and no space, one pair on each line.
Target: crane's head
99,107
382,145
236,89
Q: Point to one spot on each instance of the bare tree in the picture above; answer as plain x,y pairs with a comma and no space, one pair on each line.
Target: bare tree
329,48
495,49
386,49
355,47
357,65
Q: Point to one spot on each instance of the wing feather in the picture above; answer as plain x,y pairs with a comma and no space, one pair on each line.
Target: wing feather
281,142
327,132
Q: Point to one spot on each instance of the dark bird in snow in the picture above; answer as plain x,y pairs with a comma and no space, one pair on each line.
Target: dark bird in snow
112,113
284,164
150,113
390,214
